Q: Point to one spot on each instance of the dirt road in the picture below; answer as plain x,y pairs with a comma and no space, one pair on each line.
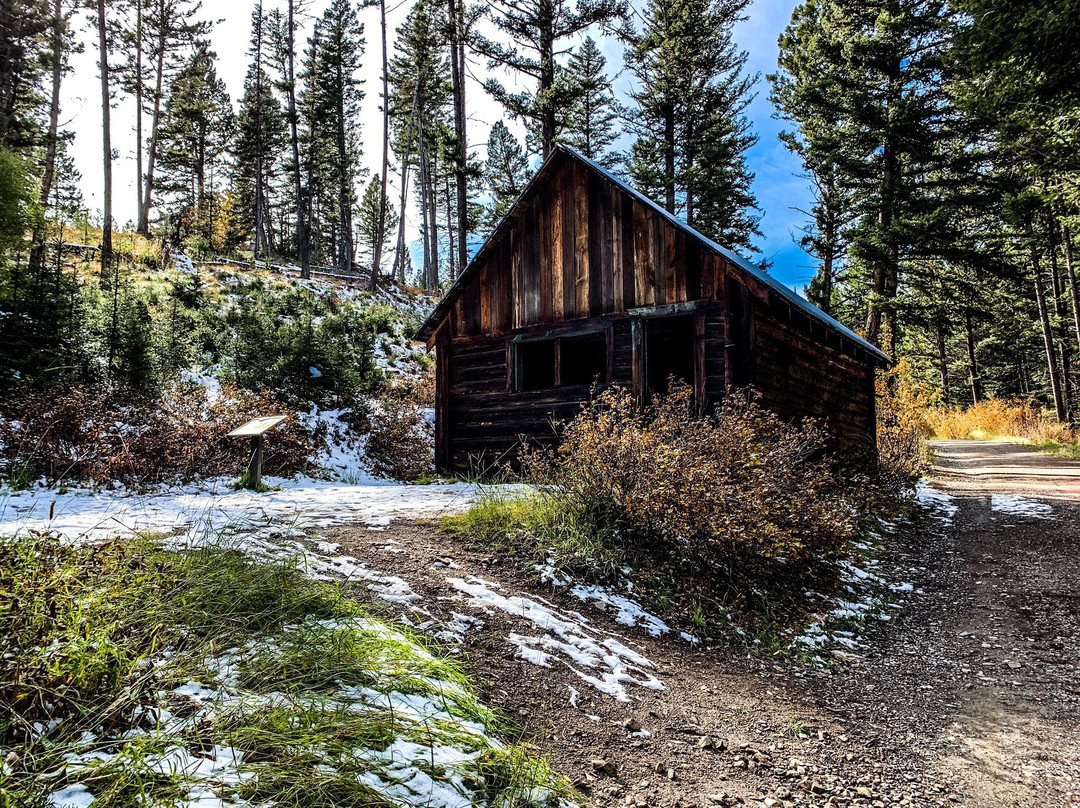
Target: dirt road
969,695
988,467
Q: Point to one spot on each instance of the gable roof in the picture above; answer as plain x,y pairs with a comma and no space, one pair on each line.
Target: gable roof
442,310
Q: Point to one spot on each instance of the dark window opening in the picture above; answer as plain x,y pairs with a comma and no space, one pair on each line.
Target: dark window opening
583,359
669,351
535,365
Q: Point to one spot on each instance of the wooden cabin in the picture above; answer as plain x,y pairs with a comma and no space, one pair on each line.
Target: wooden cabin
586,280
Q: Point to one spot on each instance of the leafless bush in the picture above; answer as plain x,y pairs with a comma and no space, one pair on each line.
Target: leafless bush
400,443
82,434
741,485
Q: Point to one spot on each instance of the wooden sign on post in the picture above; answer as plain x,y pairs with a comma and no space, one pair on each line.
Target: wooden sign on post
256,429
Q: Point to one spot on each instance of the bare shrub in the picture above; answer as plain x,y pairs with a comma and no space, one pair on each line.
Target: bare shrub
400,443
739,486
82,434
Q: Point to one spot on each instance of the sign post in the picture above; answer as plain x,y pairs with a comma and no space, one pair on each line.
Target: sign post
256,429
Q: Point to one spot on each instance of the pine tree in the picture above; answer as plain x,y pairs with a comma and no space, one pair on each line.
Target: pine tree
283,42
589,122
196,132
536,31
24,27
260,140
104,46
333,108
374,219
873,73
506,173
692,133
154,45
61,43
420,110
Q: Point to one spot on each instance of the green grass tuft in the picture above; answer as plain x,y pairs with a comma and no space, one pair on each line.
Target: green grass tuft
313,696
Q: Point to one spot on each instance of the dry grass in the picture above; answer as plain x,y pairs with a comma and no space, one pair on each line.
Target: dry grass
999,419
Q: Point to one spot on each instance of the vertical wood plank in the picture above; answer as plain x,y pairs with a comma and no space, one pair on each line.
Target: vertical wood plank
543,254
699,362
558,308
517,283
628,274
607,255
671,288
569,249
642,257
581,224
530,261
609,369
657,234
596,189
485,298
637,352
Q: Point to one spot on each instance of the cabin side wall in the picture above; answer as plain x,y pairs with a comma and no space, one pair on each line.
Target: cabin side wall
803,370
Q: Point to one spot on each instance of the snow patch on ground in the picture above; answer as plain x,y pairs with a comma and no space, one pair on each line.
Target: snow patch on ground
939,503
865,594
1020,506
600,658
73,796
210,509
625,610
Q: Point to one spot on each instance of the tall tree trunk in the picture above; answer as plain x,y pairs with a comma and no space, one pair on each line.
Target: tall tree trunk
260,234
461,153
37,253
425,174
152,151
1064,354
827,282
106,139
302,234
943,362
139,109
973,366
433,215
1070,276
376,257
451,253
402,250
547,82
885,262
1044,319
669,158
345,249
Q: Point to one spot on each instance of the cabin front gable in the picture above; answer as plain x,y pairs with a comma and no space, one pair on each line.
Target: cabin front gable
579,246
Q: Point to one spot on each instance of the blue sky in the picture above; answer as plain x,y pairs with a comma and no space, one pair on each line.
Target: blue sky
778,187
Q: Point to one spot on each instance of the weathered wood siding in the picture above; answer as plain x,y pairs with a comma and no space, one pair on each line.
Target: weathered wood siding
488,420
804,370
582,247
581,253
